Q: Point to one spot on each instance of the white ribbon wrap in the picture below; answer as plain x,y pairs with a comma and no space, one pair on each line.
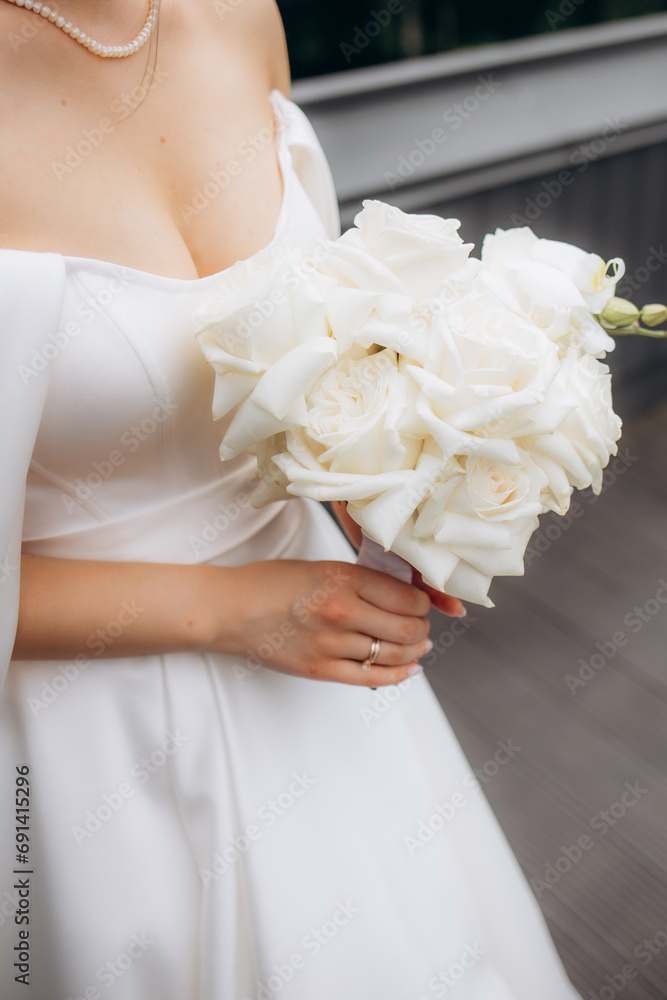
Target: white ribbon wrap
375,557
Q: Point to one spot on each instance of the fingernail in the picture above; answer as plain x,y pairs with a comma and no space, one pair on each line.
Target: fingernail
416,668
462,613
428,646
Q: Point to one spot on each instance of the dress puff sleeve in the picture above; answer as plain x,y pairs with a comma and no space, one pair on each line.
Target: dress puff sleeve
309,162
31,294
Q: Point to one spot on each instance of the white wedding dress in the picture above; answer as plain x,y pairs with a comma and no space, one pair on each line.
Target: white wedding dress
202,828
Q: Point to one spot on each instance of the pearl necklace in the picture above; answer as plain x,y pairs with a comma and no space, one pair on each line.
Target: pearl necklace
106,51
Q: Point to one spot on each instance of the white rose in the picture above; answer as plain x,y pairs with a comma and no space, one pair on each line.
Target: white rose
587,437
351,445
594,277
588,335
489,377
251,297
463,522
272,481
361,294
488,520
408,331
421,250
267,345
556,285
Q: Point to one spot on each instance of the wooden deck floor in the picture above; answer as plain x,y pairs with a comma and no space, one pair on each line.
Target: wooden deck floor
591,720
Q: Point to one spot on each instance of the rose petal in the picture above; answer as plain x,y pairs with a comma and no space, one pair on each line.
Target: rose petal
457,530
468,584
293,374
547,286
389,512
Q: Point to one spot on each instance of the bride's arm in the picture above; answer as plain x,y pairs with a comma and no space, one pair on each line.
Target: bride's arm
310,619
72,606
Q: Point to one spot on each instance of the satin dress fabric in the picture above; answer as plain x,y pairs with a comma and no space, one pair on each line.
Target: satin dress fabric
202,827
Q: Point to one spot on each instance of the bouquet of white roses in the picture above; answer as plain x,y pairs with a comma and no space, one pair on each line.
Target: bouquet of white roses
448,400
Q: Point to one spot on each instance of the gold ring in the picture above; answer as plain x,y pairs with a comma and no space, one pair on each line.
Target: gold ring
372,656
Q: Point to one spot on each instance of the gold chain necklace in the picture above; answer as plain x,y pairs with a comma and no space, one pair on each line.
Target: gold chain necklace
105,51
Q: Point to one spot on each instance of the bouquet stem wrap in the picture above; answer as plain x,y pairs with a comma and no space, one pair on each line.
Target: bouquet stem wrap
375,557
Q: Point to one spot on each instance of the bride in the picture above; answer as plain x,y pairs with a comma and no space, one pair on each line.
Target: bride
196,802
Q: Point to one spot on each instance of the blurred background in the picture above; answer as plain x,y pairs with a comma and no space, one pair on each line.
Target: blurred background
317,33
552,116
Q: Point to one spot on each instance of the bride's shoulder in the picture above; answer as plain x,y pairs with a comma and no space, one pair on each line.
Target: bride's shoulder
255,25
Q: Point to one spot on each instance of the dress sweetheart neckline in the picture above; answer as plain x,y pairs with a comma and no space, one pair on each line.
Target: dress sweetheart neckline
163,279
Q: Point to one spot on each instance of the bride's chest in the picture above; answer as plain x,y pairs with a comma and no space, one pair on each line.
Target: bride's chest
152,180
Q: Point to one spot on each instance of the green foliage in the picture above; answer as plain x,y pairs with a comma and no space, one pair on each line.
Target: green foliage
328,37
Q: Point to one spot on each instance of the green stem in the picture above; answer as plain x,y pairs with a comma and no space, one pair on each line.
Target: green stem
636,329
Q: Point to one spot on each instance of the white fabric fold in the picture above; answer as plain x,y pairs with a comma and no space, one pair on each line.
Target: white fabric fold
29,326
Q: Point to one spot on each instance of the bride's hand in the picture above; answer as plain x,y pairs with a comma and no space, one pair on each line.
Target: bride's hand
318,620
445,603
448,605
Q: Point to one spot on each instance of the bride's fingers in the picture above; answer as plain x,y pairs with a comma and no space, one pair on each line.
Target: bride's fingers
399,627
379,590
391,654
351,672
449,605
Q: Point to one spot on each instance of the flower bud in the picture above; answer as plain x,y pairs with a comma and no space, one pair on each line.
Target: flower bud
654,314
619,312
